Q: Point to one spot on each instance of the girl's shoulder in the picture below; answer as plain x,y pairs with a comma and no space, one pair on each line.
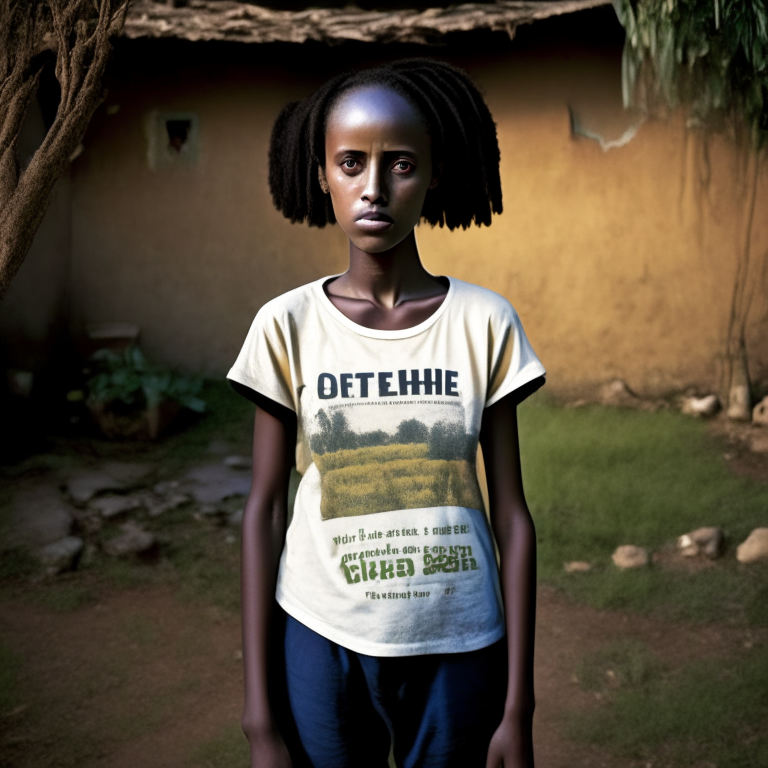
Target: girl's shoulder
291,304
479,301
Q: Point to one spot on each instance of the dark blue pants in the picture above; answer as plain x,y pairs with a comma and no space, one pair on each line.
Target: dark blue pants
344,709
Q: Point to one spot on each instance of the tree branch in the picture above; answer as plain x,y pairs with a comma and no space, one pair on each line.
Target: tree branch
79,31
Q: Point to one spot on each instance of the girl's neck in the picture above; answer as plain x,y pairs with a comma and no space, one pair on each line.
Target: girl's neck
386,279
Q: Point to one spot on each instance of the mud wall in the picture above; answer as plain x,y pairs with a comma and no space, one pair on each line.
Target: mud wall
620,262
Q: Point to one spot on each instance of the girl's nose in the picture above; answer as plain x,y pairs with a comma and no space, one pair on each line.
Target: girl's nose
373,191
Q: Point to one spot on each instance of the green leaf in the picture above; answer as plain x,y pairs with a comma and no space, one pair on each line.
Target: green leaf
131,379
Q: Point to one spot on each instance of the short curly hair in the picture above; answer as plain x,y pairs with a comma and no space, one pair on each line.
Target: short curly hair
458,121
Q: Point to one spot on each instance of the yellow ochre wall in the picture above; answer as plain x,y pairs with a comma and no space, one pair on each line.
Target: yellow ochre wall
618,263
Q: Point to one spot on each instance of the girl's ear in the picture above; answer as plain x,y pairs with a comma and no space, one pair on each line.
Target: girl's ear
436,177
322,180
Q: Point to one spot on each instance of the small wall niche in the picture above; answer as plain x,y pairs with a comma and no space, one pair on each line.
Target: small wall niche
174,139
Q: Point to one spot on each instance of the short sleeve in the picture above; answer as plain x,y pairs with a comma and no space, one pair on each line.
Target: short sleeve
513,363
264,362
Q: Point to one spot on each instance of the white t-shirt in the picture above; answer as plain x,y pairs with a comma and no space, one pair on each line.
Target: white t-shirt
389,551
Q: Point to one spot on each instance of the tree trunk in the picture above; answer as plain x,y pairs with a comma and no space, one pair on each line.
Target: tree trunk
79,31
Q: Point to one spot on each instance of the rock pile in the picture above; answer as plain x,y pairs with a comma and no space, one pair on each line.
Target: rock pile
102,508
703,541
132,540
705,406
618,394
707,542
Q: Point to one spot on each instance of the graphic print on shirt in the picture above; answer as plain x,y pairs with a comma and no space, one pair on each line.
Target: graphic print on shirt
381,456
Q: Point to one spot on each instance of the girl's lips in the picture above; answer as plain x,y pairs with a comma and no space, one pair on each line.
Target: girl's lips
374,225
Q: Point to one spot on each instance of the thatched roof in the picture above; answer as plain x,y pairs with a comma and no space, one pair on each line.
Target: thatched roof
244,22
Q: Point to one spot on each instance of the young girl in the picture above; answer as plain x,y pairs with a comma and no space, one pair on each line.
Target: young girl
399,629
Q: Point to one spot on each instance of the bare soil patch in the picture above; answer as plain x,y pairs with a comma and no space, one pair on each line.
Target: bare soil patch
141,677
137,678
745,447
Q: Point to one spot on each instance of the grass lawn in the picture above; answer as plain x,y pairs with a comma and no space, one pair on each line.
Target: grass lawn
597,477
710,712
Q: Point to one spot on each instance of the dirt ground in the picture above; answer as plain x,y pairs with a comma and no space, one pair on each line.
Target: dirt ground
140,677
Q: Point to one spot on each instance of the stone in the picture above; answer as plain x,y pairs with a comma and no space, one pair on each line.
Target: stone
703,541
760,413
701,406
84,484
132,540
577,566
236,518
156,505
112,506
61,555
211,483
630,556
38,515
128,473
166,487
758,442
754,547
617,393
238,462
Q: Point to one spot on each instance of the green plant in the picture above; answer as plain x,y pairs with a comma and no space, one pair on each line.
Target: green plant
129,378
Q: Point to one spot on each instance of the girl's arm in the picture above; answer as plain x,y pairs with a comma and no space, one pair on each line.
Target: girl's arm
512,744
263,534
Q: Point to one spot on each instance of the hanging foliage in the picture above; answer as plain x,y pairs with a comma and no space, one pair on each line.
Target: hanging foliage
709,55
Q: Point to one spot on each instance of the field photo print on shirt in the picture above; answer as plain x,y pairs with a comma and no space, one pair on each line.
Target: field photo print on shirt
382,456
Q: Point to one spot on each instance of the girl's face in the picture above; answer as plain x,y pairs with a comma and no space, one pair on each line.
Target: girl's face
378,166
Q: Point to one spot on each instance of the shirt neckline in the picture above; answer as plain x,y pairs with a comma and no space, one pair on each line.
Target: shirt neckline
375,333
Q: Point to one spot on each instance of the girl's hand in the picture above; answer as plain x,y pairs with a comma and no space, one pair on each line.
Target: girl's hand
268,750
512,744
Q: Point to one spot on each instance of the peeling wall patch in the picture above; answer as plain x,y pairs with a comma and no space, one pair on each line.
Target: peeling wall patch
577,129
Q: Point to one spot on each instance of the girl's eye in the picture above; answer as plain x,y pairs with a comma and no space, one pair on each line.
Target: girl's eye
350,163
403,166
